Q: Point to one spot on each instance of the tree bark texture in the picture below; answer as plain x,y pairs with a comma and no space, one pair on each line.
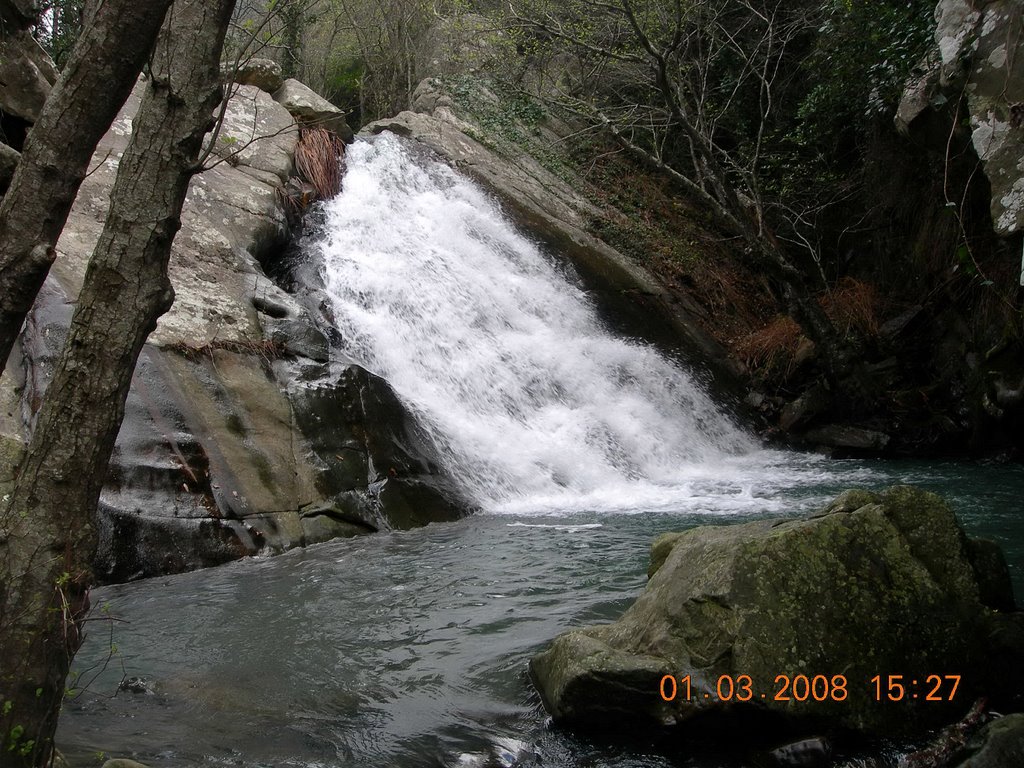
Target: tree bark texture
47,532
103,68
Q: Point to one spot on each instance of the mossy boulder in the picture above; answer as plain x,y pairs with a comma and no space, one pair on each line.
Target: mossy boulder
874,585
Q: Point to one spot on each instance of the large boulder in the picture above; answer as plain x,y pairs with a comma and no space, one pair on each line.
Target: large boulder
242,432
264,74
811,621
224,455
26,75
309,108
9,158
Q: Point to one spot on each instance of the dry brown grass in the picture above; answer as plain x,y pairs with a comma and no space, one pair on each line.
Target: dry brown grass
319,160
770,347
852,306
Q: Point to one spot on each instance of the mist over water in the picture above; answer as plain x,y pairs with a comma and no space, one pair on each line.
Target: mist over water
535,405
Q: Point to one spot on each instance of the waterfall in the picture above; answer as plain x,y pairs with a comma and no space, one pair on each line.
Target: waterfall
535,405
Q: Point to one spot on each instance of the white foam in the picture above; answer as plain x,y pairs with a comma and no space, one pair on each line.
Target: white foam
535,405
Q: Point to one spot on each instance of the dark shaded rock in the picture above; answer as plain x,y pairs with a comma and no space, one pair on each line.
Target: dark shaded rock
877,584
892,328
846,436
995,587
1007,396
925,108
8,162
19,14
805,408
410,502
1000,744
324,522
225,454
374,445
808,753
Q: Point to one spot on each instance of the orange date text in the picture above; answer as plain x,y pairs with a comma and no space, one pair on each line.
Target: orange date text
740,688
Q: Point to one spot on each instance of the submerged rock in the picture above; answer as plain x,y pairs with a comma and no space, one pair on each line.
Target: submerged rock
815,621
808,753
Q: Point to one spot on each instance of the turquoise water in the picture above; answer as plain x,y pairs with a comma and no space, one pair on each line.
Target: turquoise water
410,649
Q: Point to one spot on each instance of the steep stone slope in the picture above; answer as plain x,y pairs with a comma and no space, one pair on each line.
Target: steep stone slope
243,433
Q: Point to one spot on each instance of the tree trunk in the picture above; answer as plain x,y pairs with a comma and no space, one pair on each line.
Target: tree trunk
98,77
47,533
293,16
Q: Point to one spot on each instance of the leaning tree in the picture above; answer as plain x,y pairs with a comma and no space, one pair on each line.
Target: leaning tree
113,45
47,528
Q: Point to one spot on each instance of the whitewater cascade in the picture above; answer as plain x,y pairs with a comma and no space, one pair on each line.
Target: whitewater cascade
535,405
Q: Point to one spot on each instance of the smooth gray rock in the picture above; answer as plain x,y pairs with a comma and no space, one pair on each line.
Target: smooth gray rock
309,108
26,75
846,436
240,435
264,74
231,216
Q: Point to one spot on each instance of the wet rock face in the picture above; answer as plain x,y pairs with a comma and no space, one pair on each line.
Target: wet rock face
876,585
224,455
240,436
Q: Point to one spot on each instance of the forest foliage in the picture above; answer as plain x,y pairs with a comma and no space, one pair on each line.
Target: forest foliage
774,118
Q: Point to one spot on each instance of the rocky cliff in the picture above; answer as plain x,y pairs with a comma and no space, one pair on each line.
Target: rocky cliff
244,431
